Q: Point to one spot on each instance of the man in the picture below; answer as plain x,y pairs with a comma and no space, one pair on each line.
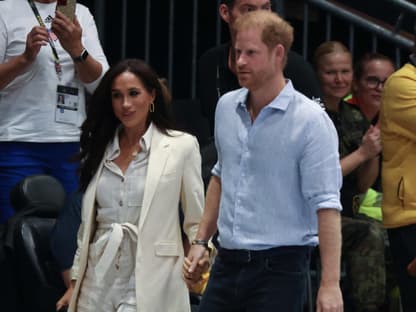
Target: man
274,187
398,135
217,69
44,57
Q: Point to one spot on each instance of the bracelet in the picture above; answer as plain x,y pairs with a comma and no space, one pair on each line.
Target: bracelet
202,242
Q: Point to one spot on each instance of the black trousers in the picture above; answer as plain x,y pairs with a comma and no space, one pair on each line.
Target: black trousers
403,251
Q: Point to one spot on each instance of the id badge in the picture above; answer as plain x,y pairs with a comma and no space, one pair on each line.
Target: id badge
66,105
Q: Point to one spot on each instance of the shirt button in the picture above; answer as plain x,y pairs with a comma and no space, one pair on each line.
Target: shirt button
122,179
120,203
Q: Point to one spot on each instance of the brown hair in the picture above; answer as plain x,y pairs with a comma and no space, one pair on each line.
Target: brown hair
275,30
367,58
328,47
101,123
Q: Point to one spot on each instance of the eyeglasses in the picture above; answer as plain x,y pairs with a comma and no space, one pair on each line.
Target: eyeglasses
373,82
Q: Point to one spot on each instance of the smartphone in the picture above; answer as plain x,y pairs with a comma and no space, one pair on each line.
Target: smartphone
67,7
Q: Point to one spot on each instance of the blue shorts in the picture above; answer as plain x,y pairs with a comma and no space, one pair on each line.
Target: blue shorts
21,159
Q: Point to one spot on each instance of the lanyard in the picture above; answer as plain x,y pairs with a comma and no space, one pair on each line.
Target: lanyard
58,67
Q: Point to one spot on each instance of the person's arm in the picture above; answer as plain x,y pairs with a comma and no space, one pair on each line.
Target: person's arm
69,34
368,150
64,300
367,174
208,224
329,230
16,66
64,242
321,183
192,191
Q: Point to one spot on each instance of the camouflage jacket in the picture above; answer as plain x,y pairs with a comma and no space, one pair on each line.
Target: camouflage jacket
351,125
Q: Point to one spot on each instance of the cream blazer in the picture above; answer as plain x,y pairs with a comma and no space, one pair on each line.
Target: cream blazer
173,176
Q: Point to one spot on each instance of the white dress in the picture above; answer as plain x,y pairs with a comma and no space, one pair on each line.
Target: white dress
109,283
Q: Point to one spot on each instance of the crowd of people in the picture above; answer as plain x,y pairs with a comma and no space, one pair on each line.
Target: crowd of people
307,156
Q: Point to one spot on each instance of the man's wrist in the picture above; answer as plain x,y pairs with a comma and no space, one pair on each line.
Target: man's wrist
203,243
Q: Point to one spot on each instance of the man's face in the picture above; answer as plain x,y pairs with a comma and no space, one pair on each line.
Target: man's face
370,86
256,63
241,7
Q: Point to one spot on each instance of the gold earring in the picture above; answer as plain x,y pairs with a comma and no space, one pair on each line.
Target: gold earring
152,107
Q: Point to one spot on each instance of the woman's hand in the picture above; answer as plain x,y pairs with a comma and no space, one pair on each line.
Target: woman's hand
195,264
64,301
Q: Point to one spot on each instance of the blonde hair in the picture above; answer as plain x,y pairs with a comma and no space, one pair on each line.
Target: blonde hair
275,30
329,47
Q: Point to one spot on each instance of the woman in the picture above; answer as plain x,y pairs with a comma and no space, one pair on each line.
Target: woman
359,147
370,73
134,170
359,142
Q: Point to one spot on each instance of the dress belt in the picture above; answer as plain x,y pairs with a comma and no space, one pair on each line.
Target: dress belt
113,238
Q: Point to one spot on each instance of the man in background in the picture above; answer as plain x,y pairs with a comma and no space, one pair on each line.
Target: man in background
217,68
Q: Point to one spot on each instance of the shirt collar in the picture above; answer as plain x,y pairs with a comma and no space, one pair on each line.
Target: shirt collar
280,102
113,150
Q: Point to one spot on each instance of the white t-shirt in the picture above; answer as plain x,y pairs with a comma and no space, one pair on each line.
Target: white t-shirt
28,103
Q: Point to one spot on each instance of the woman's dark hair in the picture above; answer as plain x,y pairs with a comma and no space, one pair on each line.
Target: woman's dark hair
367,58
101,123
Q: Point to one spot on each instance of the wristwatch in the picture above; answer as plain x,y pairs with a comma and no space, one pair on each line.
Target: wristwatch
82,57
203,243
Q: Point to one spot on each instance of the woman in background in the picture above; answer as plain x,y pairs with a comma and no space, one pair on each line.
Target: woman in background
359,147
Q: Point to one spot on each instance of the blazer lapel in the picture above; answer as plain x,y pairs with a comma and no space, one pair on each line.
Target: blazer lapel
157,161
88,203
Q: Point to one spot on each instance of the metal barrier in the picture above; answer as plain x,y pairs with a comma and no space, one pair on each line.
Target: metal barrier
377,31
204,26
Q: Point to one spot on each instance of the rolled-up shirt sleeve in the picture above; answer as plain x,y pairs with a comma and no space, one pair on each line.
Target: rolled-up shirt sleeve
320,166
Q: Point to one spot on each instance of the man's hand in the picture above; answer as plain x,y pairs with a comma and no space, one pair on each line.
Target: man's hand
69,33
195,264
35,39
329,298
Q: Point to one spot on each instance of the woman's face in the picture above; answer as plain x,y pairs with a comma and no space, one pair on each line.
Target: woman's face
335,74
370,85
130,100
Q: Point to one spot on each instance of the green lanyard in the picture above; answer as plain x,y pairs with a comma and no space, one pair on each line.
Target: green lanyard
58,67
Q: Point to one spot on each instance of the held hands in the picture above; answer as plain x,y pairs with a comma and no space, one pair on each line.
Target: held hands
195,264
371,144
69,33
329,298
35,39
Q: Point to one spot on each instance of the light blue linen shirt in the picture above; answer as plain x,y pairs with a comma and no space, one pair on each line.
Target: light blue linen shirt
275,172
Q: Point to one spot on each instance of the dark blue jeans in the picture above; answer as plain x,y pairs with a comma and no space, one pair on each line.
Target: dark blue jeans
260,281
